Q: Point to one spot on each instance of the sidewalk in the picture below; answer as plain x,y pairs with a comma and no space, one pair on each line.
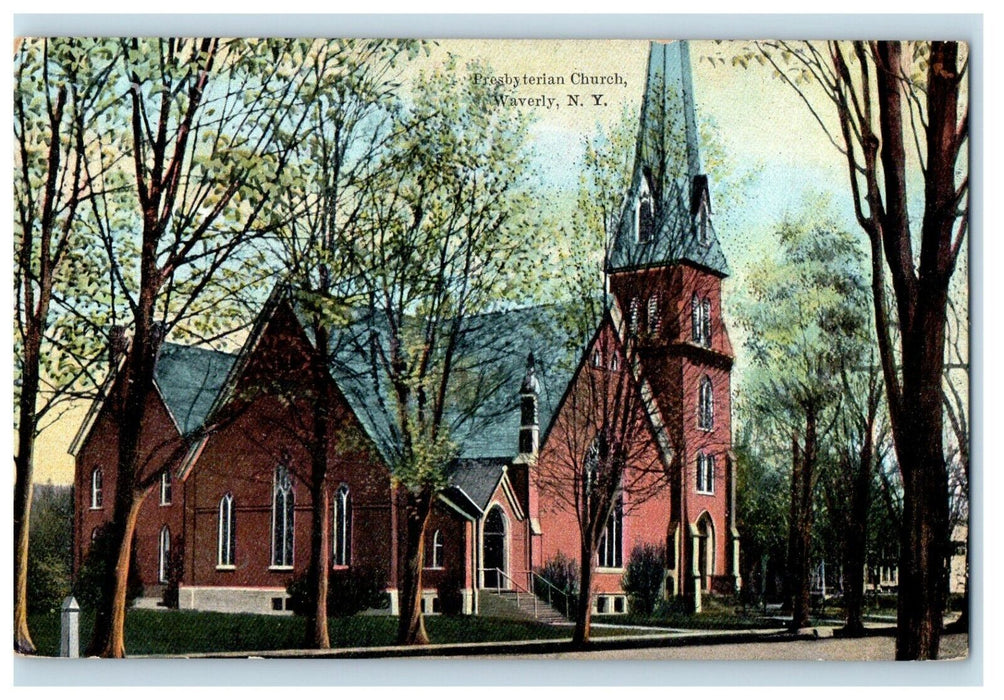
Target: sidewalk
666,638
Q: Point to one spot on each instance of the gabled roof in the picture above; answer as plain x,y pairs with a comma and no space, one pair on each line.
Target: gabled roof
478,478
189,379
667,167
490,365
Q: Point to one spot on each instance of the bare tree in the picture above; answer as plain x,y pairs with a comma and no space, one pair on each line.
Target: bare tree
896,102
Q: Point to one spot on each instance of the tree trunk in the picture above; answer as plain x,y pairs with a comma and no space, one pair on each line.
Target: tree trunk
856,541
411,624
24,477
128,408
803,464
584,602
320,567
320,549
854,565
923,555
109,634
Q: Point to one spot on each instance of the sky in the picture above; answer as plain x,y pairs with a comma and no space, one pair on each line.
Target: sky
778,158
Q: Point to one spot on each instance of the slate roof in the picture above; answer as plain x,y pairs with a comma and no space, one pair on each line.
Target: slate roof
668,166
477,478
489,371
189,379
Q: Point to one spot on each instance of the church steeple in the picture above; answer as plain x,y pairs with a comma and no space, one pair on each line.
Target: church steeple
666,218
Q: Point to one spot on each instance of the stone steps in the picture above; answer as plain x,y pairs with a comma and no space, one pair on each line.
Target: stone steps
507,604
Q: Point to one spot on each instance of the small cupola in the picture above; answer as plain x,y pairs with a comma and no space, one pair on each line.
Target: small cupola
529,423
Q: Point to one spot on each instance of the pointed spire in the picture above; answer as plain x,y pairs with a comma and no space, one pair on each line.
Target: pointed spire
666,215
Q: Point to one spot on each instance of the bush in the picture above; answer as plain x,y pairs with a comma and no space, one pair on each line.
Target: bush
645,577
100,562
350,591
562,573
451,597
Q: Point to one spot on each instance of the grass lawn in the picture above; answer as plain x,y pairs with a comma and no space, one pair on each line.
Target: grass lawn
714,620
191,632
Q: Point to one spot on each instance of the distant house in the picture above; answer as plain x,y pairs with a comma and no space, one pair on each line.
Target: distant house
230,518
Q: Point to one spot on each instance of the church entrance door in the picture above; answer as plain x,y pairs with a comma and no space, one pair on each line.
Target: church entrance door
494,554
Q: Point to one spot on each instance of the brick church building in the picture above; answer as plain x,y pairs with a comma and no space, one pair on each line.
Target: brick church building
229,522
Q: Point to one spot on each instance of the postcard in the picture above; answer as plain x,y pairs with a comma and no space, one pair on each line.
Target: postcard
491,348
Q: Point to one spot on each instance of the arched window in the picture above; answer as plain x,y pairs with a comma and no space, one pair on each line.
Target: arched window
706,405
227,539
705,473
165,488
164,555
97,483
706,322
634,313
597,357
436,558
653,314
341,527
610,550
696,322
282,518
615,363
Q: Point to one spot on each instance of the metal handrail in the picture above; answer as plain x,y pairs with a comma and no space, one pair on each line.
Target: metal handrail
516,586
550,586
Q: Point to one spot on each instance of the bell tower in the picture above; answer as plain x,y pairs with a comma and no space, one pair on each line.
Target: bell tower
665,269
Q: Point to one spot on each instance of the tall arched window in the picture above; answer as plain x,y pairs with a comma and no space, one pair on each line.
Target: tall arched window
341,528
282,518
226,540
705,473
706,322
164,554
653,314
706,405
635,312
97,485
436,558
696,323
610,550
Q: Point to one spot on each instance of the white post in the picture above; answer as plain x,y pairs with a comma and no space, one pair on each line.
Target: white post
69,638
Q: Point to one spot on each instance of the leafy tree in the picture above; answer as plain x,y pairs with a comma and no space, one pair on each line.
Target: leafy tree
804,314
200,122
897,104
58,108
51,547
861,445
350,104
442,237
761,492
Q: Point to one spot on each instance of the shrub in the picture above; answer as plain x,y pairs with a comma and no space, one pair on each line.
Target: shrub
100,561
562,573
350,591
645,577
